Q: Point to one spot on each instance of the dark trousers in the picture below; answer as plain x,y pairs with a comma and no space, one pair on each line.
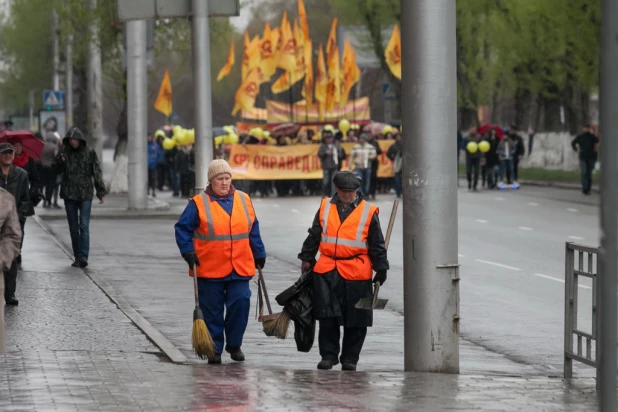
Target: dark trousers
10,280
515,169
49,180
328,187
235,297
397,182
472,172
152,180
187,183
587,167
329,336
373,179
365,176
78,216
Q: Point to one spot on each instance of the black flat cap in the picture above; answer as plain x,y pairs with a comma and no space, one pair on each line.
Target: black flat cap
6,147
347,181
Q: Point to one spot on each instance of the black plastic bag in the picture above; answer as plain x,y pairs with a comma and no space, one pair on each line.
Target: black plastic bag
304,335
298,300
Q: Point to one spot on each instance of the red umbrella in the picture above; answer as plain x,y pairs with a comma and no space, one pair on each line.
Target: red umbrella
32,146
488,127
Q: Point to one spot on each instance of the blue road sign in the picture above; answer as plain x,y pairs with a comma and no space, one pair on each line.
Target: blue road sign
387,91
53,99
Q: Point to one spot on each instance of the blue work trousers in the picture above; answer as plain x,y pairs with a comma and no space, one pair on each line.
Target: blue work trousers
225,305
78,216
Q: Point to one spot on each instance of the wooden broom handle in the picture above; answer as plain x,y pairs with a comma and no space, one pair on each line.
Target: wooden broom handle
197,296
391,223
261,280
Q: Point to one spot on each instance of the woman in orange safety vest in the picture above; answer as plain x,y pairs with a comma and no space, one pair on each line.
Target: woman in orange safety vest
219,234
346,231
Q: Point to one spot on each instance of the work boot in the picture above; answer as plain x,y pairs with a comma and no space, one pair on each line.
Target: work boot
215,359
12,301
236,354
75,264
348,367
83,263
326,364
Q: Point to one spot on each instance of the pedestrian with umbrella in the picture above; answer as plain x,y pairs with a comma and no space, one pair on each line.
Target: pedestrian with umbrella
218,235
346,231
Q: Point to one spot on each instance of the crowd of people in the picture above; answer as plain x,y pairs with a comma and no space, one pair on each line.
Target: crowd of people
174,169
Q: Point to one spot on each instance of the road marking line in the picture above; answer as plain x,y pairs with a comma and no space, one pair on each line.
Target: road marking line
532,204
499,198
500,265
295,211
559,280
275,205
572,210
576,238
525,228
481,220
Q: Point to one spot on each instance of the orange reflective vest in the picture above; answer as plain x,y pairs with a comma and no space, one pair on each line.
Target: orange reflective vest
344,245
221,241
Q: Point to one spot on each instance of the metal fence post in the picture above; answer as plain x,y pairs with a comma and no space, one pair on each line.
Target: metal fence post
568,326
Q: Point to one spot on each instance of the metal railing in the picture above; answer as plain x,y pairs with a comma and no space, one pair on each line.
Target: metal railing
579,261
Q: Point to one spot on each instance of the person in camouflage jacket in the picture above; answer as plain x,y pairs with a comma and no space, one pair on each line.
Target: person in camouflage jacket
81,176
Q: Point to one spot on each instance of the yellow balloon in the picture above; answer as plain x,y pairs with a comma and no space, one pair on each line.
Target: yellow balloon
234,138
472,147
329,127
266,134
177,130
190,136
181,138
229,129
484,146
168,144
344,126
160,133
218,141
387,129
257,132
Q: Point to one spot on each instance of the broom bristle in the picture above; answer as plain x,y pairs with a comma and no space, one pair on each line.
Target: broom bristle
203,345
278,325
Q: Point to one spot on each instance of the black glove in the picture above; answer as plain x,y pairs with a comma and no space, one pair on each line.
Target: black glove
191,259
305,266
260,263
380,277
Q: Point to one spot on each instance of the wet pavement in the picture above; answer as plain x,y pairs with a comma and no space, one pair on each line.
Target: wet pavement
71,348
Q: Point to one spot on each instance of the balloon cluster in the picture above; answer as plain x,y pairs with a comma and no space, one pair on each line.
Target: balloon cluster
180,137
483,146
261,134
230,137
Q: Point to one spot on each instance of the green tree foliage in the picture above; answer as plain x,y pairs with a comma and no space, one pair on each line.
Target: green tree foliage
541,52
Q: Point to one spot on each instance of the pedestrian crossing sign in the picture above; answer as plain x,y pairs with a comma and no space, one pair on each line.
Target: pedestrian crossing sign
53,99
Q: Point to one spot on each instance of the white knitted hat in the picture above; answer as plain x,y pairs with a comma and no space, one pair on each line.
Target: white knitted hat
218,167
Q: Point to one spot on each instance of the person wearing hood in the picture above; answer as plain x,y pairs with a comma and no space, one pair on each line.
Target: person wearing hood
15,181
218,235
81,176
346,231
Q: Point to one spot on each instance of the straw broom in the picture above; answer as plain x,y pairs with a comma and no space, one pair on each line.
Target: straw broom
274,324
203,345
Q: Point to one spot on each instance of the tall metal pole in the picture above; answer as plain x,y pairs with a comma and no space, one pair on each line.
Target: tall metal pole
55,50
69,79
137,113
608,122
95,96
431,275
201,89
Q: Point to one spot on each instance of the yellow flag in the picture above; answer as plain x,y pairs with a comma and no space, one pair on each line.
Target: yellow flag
308,85
281,84
351,72
267,56
164,98
275,35
321,81
302,16
251,55
248,91
299,55
332,41
392,54
227,68
287,54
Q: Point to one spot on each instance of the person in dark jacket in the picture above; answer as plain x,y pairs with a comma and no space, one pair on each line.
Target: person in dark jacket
585,144
373,181
48,172
492,161
395,154
346,231
155,159
520,151
185,164
473,160
81,176
331,155
15,181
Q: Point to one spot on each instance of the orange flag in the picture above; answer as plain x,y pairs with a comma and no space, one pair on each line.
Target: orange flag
287,54
351,72
251,55
308,85
248,91
267,55
302,16
275,35
332,40
227,68
392,54
321,84
299,55
164,99
333,93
